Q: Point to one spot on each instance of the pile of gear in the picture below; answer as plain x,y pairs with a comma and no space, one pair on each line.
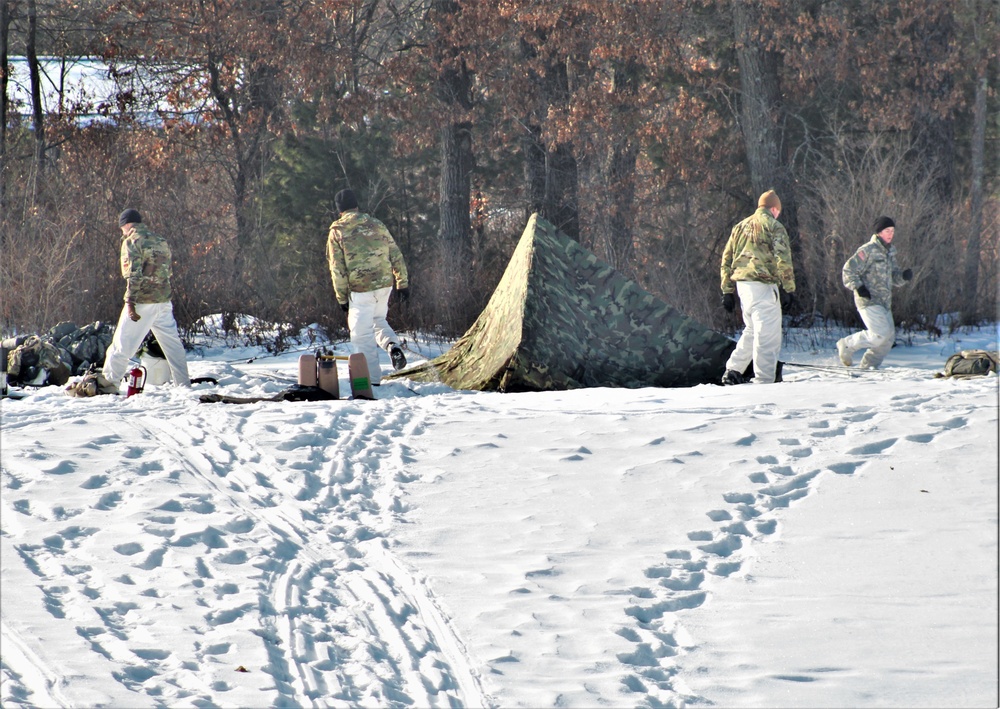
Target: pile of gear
54,356
968,364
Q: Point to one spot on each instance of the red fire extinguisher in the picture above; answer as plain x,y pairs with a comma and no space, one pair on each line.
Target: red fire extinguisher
136,381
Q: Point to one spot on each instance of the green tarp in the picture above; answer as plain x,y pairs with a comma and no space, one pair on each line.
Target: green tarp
562,319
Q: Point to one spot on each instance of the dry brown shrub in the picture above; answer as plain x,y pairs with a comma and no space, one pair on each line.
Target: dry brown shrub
883,176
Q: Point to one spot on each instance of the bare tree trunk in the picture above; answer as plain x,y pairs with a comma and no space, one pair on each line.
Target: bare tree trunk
972,255
455,228
551,178
456,188
6,17
935,134
551,175
621,182
248,120
454,91
621,176
761,111
37,110
534,168
560,204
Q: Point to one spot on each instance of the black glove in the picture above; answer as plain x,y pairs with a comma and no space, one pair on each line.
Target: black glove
344,307
907,274
786,299
729,302
404,294
863,291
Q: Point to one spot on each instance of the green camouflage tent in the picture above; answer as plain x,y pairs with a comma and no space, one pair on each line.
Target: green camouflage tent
562,319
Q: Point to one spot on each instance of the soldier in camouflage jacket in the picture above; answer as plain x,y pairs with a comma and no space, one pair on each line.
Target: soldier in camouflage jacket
146,268
757,264
871,273
364,263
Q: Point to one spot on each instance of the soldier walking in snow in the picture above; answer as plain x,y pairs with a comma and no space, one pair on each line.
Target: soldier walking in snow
871,273
364,262
757,265
145,264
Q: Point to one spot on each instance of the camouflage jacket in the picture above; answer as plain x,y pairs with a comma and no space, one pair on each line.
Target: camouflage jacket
758,250
145,259
874,266
36,362
363,256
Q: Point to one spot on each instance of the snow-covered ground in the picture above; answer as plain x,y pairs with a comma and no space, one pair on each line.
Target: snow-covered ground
828,541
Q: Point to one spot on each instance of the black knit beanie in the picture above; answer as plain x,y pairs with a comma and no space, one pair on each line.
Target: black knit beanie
129,216
883,223
345,200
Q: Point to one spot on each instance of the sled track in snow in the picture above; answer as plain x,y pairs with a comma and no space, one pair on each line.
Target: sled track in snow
331,597
281,544
32,676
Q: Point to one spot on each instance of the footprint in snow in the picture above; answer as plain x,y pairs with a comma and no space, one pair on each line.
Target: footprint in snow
102,441
796,483
63,467
723,546
148,467
781,501
108,501
957,422
154,560
95,481
683,582
845,468
725,568
873,448
128,549
656,611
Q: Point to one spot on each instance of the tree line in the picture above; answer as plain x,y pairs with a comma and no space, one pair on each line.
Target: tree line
644,129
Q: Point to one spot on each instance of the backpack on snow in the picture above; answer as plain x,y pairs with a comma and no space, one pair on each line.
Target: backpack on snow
91,384
36,362
970,363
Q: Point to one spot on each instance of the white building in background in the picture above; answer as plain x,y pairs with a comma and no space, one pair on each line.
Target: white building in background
86,87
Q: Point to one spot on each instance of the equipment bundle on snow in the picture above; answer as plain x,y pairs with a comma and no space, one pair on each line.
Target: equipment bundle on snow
320,370
91,384
152,358
53,357
970,363
317,381
37,362
562,319
295,392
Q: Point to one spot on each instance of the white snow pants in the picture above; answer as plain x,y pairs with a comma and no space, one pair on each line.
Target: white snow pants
370,331
877,340
761,338
158,317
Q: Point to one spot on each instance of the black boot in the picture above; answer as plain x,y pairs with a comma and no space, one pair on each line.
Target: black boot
397,356
732,377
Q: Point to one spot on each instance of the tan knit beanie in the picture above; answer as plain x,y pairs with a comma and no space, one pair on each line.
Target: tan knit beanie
769,199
